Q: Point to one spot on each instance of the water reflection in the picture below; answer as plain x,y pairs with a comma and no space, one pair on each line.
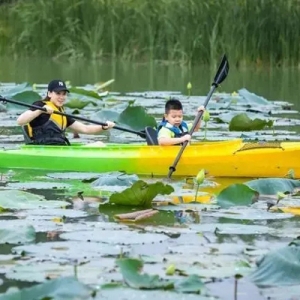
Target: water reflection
271,83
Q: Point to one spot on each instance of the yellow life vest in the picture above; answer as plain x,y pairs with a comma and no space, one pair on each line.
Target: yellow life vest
60,121
52,132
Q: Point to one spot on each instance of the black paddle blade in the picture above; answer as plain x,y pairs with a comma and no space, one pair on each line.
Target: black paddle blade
151,136
222,71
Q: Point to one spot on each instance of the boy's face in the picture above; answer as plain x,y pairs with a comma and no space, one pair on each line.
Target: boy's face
174,117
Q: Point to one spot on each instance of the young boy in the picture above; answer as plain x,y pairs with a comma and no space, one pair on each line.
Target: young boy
173,130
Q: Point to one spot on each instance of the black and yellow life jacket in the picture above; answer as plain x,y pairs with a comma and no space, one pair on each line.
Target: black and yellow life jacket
50,133
179,131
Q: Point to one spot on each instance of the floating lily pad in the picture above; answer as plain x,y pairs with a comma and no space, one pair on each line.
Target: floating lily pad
7,262
77,103
26,97
50,213
43,270
74,175
206,254
170,231
210,248
136,118
8,257
67,288
241,213
70,250
255,252
209,265
271,186
252,98
228,116
2,107
127,293
106,114
219,271
140,194
229,228
83,92
115,179
39,225
242,122
14,199
115,237
279,267
245,289
37,185
105,225
130,269
236,194
50,223
188,206
281,292
18,88
132,117
16,234
286,231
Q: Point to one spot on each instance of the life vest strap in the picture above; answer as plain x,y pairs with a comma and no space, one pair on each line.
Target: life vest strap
26,134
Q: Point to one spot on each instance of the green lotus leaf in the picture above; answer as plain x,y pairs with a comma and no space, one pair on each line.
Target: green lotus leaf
140,194
242,122
279,267
236,194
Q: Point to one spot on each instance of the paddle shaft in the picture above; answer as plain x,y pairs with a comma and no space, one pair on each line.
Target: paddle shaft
140,133
221,74
196,121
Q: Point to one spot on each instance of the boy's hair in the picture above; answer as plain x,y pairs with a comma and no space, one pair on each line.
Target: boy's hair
172,104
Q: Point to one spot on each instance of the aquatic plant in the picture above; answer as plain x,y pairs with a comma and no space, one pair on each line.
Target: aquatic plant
189,88
199,180
205,118
166,31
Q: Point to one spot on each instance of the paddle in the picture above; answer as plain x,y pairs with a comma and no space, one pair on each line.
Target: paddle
219,77
139,133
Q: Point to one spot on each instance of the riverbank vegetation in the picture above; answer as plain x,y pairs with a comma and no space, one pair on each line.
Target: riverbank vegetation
192,31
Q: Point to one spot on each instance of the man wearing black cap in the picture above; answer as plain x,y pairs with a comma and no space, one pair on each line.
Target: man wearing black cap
46,128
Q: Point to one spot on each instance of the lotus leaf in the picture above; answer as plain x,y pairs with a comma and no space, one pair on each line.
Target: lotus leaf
140,194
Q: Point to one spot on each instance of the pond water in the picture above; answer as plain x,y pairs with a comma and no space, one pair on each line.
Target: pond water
51,223
273,84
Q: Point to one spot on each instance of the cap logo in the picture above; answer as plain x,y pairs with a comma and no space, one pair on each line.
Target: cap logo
60,83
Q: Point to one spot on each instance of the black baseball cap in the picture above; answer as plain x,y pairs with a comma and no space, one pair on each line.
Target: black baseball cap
57,86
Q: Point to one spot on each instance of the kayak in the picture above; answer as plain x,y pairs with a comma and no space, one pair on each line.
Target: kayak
233,158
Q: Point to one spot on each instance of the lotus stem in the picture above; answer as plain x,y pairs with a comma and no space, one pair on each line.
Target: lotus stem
76,270
205,130
196,193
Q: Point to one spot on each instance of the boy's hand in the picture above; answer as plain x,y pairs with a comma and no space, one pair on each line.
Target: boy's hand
201,108
186,137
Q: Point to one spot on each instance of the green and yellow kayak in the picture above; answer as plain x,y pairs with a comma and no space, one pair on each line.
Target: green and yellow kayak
233,158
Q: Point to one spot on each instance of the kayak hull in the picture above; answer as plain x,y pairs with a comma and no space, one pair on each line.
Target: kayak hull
220,159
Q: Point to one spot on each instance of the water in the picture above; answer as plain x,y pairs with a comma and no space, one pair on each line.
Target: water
186,249
273,84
